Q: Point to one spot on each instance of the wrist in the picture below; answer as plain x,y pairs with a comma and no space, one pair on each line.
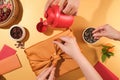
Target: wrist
77,56
118,36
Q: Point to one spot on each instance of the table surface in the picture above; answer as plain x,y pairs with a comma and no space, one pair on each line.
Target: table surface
91,13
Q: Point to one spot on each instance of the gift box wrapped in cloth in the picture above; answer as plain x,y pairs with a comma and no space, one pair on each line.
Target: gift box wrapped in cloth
46,53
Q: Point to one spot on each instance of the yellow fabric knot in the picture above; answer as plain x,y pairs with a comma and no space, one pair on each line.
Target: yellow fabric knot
54,59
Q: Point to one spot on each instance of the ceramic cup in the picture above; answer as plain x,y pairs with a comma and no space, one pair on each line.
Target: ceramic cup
17,32
88,36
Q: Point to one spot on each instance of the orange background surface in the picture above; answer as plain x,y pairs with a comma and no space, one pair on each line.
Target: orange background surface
91,13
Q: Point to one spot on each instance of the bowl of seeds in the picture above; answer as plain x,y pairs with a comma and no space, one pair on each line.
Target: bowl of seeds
17,32
88,35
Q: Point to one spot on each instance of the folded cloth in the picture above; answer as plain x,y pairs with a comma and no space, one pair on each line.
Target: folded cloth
46,53
9,64
105,73
6,52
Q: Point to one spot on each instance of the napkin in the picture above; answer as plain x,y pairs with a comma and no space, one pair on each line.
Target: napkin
9,60
6,52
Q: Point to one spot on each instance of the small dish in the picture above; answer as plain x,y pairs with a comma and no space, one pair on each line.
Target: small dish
88,36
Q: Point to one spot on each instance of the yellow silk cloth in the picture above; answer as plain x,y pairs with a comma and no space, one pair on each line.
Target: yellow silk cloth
46,53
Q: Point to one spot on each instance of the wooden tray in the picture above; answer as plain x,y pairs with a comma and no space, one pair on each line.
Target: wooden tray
13,14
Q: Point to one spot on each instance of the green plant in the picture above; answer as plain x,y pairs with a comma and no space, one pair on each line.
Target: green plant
107,51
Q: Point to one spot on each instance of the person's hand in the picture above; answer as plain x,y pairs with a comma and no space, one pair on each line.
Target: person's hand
50,3
106,31
47,72
69,7
69,46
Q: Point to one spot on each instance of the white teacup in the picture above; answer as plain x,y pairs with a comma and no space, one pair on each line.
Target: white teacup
17,32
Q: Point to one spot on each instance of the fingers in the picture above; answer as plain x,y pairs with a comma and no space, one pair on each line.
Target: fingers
70,10
65,38
97,38
62,4
71,7
98,29
56,2
59,44
73,11
67,9
98,34
49,2
45,73
42,73
52,74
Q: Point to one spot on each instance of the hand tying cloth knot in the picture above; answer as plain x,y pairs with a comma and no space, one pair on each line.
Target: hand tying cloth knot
56,56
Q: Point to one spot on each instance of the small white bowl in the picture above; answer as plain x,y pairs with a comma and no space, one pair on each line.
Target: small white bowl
87,37
22,29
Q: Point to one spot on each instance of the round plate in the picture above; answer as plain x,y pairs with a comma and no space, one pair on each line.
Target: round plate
9,10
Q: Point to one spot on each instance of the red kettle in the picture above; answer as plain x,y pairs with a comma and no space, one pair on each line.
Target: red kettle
55,18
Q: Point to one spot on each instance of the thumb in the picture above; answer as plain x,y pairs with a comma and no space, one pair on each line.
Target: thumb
49,2
62,4
59,44
98,34
52,74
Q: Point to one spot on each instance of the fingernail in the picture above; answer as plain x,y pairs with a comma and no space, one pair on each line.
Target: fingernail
54,68
94,35
51,66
